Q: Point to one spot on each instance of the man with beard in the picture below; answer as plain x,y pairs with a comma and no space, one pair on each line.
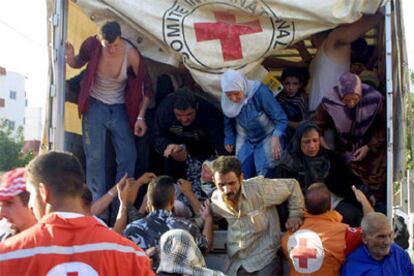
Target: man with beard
14,201
249,206
183,123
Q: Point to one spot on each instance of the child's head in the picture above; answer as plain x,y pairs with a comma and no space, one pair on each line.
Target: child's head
293,80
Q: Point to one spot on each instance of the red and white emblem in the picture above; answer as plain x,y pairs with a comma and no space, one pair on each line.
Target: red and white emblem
213,35
72,269
228,31
306,251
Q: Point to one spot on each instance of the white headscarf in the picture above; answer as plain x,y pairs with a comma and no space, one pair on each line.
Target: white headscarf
235,81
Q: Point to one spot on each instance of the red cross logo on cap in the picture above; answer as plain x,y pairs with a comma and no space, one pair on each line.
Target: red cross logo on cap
303,253
228,32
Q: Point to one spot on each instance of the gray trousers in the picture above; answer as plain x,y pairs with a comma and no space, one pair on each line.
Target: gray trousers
273,268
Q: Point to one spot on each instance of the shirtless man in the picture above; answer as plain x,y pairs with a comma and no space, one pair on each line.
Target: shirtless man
112,98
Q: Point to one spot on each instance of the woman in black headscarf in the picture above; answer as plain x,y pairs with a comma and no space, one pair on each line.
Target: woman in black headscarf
306,161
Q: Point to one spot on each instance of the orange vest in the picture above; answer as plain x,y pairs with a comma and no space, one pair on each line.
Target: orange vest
320,245
71,246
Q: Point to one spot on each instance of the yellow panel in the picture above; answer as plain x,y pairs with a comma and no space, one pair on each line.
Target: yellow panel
72,121
79,28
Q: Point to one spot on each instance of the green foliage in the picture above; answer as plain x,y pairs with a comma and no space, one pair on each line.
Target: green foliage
410,126
11,155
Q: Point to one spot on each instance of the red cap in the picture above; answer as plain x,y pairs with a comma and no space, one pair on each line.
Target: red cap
13,183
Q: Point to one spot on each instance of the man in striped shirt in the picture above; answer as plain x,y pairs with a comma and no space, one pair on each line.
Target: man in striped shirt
249,206
65,241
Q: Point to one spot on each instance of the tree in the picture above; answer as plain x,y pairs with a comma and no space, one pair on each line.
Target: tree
410,126
11,155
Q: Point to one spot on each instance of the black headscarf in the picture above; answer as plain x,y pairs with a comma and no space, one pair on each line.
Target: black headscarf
308,169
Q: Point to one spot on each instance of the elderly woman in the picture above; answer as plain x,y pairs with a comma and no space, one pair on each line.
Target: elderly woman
179,255
306,161
254,123
356,111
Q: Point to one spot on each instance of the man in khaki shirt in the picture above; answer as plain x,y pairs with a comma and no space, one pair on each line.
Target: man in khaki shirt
249,206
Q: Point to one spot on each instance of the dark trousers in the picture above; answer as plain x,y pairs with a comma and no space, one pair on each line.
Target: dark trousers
273,268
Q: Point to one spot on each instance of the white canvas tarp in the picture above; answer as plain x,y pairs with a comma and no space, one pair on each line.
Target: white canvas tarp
209,36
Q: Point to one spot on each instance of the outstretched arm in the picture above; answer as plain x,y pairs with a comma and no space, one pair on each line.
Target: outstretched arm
346,34
102,203
360,196
207,216
186,188
337,44
75,61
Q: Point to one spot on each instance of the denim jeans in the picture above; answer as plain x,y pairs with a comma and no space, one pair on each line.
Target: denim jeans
99,119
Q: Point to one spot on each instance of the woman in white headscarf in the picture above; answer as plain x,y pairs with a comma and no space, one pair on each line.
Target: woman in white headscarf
254,122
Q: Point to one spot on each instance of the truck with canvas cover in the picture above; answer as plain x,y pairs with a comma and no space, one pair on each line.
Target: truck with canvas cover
193,42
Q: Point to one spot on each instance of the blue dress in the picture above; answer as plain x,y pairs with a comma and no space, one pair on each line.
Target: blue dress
252,130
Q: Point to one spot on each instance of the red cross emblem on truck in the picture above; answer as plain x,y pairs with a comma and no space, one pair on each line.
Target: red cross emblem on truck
228,31
303,253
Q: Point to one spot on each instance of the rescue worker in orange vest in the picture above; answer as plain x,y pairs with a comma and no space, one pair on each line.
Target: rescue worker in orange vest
320,245
65,241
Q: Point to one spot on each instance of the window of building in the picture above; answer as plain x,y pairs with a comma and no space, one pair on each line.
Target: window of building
13,94
12,125
26,102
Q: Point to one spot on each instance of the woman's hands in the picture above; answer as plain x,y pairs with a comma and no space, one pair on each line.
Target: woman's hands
360,153
229,148
276,148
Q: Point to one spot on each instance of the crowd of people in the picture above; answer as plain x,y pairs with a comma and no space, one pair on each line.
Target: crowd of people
289,179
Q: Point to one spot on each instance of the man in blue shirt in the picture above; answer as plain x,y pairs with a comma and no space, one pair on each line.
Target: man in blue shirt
378,255
146,232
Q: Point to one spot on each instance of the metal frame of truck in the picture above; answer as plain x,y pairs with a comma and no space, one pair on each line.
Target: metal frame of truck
398,110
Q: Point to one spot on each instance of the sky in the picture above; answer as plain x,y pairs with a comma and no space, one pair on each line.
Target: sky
23,47
408,6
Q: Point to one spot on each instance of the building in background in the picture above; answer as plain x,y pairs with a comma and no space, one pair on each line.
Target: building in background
13,100
32,130
33,124
14,108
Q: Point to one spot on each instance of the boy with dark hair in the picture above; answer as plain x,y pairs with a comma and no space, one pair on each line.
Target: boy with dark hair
114,95
161,193
110,31
63,233
146,232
